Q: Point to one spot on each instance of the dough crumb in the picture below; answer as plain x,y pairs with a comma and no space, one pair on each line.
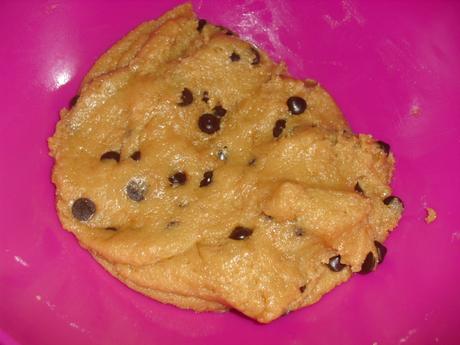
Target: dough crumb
430,215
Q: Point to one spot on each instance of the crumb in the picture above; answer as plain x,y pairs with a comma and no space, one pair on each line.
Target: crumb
430,215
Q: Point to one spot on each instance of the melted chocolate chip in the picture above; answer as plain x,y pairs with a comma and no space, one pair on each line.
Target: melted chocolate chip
178,179
381,251
302,288
335,265
368,264
358,188
392,199
186,98
73,101
299,232
201,24
205,97
219,111
209,123
111,155
240,233
83,209
235,57
207,179
256,59
384,146
296,105
136,189
111,228
136,155
223,154
280,125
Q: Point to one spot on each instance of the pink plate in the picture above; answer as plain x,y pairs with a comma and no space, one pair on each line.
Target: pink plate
394,69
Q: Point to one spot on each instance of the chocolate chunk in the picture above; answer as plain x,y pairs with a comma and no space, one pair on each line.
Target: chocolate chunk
280,125
299,232
111,155
302,288
240,233
296,105
205,97
201,24
358,188
235,57
368,264
393,199
207,179
83,209
384,146
335,265
381,251
186,98
256,59
136,189
209,123
219,111
73,101
136,155
111,228
178,179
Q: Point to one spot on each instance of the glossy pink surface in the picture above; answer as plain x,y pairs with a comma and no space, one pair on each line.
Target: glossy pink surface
394,69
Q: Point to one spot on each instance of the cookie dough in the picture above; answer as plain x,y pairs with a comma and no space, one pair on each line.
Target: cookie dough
200,173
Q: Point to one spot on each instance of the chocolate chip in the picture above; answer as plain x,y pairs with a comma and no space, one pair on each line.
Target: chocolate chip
136,189
393,199
223,154
358,188
73,101
111,228
205,97
299,232
381,251
252,162
136,155
280,125
207,179
201,24
335,265
256,59
111,155
302,288
235,57
240,233
209,123
368,264
296,105
219,111
186,97
172,224
83,209
384,146
178,179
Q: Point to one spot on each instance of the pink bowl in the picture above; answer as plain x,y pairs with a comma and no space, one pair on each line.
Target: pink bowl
394,69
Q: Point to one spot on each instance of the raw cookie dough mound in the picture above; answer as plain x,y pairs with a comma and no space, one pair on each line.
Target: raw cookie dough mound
199,173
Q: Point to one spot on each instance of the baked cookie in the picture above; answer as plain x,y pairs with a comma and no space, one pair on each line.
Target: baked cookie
198,172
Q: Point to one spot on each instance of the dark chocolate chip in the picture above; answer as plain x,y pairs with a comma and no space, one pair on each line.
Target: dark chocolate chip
381,251
358,188
392,199
172,224
219,111
302,288
111,155
384,146
136,155
299,232
235,57
240,233
186,98
296,105
201,24
368,264
136,189
335,265
209,123
83,209
205,97
111,228
178,179
73,101
207,179
256,59
280,125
